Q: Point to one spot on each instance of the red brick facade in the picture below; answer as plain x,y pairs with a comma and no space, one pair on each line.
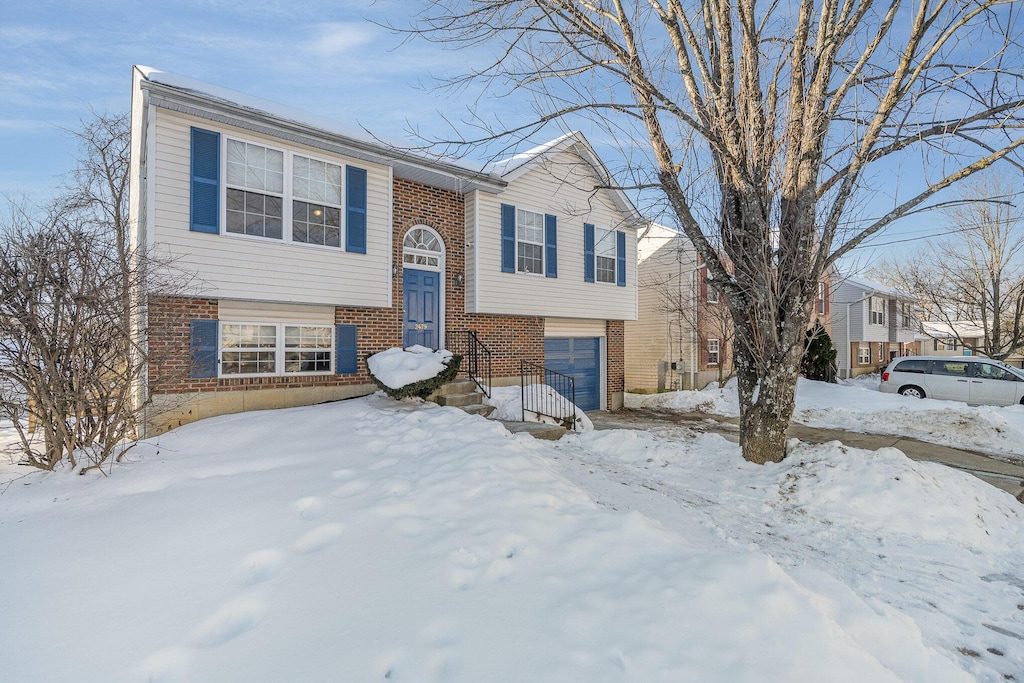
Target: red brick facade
510,338
615,331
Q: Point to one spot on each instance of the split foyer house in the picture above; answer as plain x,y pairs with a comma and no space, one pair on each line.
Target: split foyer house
313,246
871,325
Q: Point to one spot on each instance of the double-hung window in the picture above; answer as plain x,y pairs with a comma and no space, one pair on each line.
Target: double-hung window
255,190
318,197
877,310
821,298
863,355
529,241
713,351
275,349
604,254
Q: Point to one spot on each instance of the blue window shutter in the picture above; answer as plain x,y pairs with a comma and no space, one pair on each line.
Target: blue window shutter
345,349
508,238
203,349
205,203
588,252
550,246
355,213
620,258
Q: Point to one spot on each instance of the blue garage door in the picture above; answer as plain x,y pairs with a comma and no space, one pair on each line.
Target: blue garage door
580,358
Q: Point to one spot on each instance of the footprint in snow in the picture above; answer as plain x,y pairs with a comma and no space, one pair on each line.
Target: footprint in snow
258,567
318,539
350,488
229,622
310,508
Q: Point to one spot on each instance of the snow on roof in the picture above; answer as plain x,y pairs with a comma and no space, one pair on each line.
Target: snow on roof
965,329
417,166
511,168
873,286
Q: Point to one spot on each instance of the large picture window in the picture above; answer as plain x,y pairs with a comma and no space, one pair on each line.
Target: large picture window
604,254
529,241
275,349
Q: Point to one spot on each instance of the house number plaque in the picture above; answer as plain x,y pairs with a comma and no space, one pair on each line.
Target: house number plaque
421,326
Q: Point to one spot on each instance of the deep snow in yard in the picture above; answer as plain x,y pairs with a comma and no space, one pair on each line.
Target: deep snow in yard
857,405
375,540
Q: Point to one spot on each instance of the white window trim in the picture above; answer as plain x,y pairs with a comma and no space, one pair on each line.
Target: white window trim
543,247
717,352
872,311
413,251
287,198
863,351
279,349
615,259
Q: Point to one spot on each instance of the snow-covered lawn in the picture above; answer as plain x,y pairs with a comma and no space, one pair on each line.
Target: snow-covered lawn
375,540
857,405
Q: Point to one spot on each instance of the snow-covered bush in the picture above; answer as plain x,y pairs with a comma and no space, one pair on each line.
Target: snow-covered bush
415,371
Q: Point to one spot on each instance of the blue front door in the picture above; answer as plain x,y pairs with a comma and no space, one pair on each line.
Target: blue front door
580,358
422,292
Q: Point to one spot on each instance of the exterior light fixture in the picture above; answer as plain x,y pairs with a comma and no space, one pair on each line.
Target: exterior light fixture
459,279
394,271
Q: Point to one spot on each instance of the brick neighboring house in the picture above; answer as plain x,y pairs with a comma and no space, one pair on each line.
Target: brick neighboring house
315,246
682,338
871,325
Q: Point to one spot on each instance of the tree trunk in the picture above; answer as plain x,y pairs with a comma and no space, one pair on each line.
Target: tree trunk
763,421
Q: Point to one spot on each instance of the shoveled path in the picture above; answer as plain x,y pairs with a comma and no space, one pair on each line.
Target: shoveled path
1001,473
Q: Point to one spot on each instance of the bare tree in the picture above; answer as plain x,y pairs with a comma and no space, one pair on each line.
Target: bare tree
69,284
787,110
64,351
976,274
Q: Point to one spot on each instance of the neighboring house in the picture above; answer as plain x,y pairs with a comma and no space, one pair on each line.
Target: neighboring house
315,246
956,338
944,339
683,338
871,325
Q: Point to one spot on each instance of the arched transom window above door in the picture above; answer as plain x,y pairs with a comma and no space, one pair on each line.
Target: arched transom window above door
422,248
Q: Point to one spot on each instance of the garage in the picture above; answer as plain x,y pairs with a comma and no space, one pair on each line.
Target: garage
580,358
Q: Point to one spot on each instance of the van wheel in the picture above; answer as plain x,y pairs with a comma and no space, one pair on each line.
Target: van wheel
912,391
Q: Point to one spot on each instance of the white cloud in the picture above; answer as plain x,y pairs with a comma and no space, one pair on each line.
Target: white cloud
335,38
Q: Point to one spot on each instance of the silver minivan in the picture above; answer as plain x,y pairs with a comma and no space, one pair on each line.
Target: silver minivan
980,381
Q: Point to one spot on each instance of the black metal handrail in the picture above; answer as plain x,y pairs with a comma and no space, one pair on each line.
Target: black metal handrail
478,362
560,404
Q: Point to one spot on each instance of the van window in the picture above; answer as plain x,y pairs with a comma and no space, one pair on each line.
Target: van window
987,371
950,367
916,366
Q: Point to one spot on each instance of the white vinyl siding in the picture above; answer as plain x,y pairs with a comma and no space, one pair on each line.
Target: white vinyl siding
562,192
659,336
238,267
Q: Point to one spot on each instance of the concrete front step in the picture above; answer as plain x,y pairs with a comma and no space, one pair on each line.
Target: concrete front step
538,430
456,386
479,409
460,400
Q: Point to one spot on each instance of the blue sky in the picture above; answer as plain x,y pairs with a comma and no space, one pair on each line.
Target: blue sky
58,59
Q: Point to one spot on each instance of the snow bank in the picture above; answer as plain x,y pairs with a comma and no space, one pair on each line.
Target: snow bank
508,404
384,540
857,405
400,367
917,563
